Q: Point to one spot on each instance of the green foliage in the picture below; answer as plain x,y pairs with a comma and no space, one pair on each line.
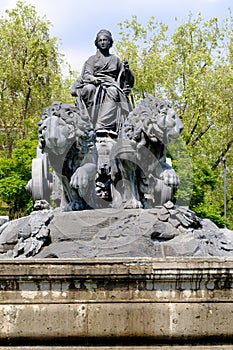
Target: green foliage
29,71
203,200
192,67
30,79
204,178
15,172
212,212
182,163
143,47
12,189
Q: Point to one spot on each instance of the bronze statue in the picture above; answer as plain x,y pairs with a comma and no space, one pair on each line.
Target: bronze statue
67,139
104,152
138,159
104,85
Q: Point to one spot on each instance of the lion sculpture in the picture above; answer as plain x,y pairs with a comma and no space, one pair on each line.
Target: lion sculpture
66,135
141,176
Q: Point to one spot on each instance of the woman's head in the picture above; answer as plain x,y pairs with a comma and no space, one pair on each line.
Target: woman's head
106,33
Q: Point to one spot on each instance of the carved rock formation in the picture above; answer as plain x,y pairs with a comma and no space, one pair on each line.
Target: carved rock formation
164,231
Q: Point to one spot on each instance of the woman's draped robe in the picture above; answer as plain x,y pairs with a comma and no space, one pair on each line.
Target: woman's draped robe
105,101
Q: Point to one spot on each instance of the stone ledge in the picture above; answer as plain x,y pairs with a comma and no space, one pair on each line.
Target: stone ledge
116,265
160,347
128,301
121,322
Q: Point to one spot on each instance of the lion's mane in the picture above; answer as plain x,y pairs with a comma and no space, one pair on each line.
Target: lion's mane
154,117
73,117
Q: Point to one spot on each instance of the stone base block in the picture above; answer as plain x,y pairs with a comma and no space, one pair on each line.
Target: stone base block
130,303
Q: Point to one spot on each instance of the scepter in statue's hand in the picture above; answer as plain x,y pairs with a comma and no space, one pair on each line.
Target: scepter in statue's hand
128,81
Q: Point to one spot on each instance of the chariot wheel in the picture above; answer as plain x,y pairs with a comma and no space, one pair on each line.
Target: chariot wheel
40,186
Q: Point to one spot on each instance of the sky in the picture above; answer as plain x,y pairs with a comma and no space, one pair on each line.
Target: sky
76,22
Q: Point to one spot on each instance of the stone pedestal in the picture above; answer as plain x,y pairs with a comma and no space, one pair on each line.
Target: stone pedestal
140,303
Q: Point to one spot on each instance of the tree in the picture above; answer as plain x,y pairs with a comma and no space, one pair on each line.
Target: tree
14,175
30,79
29,70
190,67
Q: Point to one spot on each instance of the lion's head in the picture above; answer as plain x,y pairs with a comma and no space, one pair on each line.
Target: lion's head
156,118
60,126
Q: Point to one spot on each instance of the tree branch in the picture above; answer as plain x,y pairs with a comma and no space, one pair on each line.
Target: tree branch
192,131
201,134
223,153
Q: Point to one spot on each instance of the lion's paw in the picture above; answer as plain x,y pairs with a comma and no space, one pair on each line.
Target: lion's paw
133,204
170,178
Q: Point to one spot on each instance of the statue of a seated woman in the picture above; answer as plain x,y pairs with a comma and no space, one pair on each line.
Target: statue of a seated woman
104,86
